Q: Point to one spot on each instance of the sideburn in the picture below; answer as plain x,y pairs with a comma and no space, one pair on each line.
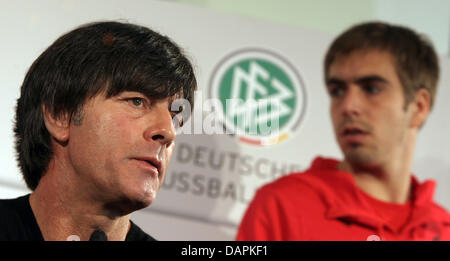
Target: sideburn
78,116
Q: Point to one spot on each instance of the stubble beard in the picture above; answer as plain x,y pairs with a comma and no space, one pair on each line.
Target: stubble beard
360,157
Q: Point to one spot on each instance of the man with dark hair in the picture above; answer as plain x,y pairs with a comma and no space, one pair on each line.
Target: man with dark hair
381,80
95,132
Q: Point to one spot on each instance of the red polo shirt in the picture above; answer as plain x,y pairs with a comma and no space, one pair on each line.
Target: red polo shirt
324,203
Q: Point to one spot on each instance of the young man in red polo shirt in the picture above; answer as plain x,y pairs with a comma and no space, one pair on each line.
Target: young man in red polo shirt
382,81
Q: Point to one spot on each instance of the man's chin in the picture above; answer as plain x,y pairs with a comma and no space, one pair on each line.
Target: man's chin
143,201
130,203
140,196
359,157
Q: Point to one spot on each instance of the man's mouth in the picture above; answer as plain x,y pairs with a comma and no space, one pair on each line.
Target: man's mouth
353,134
150,163
352,131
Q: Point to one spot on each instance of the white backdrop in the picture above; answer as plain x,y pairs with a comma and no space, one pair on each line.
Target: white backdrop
200,200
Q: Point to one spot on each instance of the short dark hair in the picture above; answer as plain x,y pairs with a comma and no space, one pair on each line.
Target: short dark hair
415,59
109,57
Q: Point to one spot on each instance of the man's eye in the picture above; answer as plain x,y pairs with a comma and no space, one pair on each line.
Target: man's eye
336,91
138,102
371,89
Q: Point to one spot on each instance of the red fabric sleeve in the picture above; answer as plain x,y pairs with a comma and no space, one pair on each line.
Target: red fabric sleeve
263,220
255,224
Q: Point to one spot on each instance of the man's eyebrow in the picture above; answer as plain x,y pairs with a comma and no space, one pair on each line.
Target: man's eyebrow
371,78
334,81
361,80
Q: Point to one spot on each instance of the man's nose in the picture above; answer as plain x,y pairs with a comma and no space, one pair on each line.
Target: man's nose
351,101
161,128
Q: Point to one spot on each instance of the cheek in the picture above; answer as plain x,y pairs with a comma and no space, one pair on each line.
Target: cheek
117,129
166,155
394,124
334,115
109,137
118,136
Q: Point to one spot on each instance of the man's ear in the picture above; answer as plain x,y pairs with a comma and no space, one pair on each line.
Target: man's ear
420,108
57,127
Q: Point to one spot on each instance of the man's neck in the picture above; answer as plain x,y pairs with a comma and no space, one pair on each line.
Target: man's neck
61,211
388,181
388,185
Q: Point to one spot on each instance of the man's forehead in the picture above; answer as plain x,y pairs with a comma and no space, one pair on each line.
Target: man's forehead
362,63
